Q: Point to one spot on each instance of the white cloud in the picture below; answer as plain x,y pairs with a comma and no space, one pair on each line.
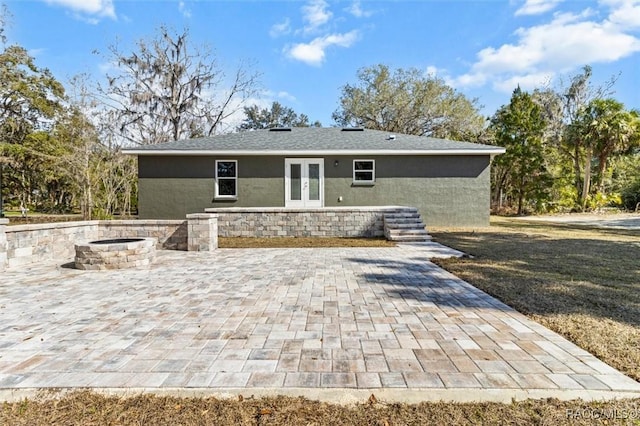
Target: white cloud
319,26
313,53
90,10
625,14
286,96
281,28
537,7
431,71
315,14
526,82
566,43
182,7
440,73
356,10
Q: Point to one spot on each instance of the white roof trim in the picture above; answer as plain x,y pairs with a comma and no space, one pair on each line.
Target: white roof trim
493,151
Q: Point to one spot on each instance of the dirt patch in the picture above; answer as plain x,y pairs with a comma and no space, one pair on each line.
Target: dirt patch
582,282
87,408
300,242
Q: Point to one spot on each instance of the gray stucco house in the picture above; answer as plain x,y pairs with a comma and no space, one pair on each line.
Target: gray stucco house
447,181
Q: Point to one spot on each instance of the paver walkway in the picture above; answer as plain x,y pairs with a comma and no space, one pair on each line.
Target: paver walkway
299,321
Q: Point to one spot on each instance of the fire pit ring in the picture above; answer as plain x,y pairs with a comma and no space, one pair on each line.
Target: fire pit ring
115,253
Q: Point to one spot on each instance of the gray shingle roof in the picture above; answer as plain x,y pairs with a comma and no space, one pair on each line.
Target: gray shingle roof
326,140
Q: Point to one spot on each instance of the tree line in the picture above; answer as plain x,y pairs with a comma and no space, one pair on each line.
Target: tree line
573,147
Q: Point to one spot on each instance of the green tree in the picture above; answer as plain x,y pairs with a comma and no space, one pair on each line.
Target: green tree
275,116
625,179
81,143
520,172
30,101
605,129
408,101
169,90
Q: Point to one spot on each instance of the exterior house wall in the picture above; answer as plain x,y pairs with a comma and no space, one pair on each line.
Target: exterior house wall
172,187
448,190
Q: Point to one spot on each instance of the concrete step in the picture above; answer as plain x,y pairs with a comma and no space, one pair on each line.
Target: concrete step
417,219
410,238
404,225
403,218
407,232
393,216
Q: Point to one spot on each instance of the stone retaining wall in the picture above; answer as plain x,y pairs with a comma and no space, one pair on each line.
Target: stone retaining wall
46,241
171,234
4,260
27,244
202,232
286,222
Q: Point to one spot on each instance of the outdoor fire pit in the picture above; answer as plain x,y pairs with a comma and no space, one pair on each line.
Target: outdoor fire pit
118,253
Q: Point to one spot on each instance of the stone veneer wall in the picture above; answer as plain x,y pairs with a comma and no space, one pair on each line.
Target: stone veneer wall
202,232
26,244
4,260
171,234
46,241
287,222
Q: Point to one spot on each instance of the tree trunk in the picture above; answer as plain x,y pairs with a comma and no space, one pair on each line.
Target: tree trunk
602,168
587,178
520,195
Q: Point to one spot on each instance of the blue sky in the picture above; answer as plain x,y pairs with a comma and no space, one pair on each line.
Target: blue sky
306,50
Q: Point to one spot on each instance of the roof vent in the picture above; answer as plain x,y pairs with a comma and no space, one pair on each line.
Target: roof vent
280,129
391,138
353,129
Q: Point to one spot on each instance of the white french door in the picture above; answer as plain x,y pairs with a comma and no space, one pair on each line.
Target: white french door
304,182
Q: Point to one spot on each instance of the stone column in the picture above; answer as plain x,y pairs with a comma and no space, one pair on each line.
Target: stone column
202,229
4,246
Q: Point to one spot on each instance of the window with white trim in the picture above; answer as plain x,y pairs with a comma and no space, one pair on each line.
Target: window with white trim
226,179
364,171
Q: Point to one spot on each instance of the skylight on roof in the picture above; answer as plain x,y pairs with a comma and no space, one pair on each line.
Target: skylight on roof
280,129
353,129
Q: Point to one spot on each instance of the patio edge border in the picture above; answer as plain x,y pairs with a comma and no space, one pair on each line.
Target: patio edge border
341,396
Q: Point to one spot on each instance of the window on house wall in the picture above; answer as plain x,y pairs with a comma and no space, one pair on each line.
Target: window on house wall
364,171
226,179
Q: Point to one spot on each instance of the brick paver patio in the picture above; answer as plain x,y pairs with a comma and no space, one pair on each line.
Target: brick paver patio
285,319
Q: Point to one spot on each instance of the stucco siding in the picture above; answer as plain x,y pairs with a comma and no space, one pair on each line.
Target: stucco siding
448,190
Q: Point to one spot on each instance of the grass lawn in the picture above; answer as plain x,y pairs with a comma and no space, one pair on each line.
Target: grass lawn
582,283
300,242
87,408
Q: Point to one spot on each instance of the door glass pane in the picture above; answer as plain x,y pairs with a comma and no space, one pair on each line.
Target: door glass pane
314,182
296,182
